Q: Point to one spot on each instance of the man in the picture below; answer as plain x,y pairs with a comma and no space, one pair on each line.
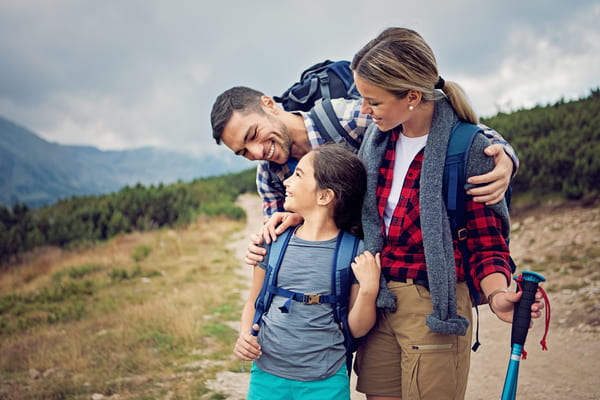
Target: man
254,126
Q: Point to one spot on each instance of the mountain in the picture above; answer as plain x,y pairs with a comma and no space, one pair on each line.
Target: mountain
37,172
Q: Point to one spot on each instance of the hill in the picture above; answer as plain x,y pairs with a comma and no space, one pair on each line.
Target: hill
558,145
155,314
37,172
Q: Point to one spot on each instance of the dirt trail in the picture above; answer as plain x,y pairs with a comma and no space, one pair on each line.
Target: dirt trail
569,370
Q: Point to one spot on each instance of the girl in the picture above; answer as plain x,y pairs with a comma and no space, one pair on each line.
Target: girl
422,350
301,354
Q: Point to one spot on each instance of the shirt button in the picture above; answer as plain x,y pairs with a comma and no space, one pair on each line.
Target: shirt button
402,197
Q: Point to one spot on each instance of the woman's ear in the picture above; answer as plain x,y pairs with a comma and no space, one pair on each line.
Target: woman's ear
414,97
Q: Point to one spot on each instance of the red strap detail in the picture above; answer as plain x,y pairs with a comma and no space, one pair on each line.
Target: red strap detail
547,318
519,279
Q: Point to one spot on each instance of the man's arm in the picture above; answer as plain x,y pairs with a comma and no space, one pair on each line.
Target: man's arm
497,138
270,188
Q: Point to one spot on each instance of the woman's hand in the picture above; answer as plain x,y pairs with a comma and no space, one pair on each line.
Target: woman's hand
503,305
496,181
247,347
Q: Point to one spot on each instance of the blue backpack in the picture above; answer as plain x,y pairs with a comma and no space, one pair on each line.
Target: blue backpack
341,281
318,85
324,80
455,177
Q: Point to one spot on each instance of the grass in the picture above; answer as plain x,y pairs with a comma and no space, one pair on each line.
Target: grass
141,316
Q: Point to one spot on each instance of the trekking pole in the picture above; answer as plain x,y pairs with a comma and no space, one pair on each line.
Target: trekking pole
528,283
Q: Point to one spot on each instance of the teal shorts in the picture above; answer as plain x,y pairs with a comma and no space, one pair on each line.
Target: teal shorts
265,386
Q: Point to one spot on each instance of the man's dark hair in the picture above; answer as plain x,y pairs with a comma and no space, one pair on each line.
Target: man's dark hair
239,98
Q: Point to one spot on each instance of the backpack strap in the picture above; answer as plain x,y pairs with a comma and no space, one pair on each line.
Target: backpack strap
341,281
459,146
328,124
274,257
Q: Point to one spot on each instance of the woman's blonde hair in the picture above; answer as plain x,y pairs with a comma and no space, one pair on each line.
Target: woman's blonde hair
399,60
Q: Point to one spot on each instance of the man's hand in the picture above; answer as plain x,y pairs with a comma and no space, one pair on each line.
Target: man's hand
255,253
278,223
272,228
496,181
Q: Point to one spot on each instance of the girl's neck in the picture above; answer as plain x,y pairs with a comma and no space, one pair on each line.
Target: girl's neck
317,229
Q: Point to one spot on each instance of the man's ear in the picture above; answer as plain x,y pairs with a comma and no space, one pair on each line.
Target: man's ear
269,104
326,197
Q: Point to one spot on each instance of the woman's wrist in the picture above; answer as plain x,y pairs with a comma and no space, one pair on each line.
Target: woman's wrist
490,297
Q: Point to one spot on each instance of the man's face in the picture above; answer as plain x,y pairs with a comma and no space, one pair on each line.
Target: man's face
258,136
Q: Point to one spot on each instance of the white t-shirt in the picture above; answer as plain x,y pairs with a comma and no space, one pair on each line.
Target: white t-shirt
407,149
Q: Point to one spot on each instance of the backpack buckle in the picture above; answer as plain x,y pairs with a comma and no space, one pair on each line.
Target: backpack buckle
462,234
311,298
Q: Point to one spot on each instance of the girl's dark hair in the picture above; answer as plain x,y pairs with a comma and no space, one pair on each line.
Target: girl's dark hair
340,170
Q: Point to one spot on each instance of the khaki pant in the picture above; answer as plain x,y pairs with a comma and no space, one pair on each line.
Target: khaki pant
401,356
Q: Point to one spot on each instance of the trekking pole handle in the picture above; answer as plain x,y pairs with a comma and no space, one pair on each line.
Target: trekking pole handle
522,314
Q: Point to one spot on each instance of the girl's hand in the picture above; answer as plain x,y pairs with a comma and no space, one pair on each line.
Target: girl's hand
367,269
496,181
247,347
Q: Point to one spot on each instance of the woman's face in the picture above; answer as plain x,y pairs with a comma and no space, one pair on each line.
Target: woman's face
386,109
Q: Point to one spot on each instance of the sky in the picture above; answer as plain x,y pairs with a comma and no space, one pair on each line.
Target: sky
123,74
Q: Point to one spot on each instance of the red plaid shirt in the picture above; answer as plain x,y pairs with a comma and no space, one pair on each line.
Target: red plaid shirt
403,255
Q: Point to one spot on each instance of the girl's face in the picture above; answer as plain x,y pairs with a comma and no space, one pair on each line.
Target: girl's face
301,193
386,109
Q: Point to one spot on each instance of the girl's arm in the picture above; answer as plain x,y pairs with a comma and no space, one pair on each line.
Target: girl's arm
363,311
247,347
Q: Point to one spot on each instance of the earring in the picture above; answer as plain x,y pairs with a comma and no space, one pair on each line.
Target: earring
411,108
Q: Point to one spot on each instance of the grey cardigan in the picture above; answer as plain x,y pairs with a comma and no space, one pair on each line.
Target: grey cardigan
439,251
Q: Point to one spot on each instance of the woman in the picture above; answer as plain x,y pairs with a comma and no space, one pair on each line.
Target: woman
422,350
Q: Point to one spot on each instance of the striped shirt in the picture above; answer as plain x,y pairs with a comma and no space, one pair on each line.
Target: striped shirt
270,175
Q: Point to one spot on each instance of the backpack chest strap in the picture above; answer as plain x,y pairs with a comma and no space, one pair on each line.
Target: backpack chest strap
306,298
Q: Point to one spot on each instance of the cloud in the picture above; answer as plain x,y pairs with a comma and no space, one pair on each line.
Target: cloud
540,68
138,73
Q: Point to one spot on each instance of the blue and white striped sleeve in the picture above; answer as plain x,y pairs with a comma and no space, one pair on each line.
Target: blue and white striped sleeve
272,197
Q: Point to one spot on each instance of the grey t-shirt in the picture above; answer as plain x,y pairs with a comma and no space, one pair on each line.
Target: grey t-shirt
305,344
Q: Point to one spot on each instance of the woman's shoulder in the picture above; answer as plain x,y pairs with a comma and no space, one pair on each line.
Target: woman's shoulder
478,162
